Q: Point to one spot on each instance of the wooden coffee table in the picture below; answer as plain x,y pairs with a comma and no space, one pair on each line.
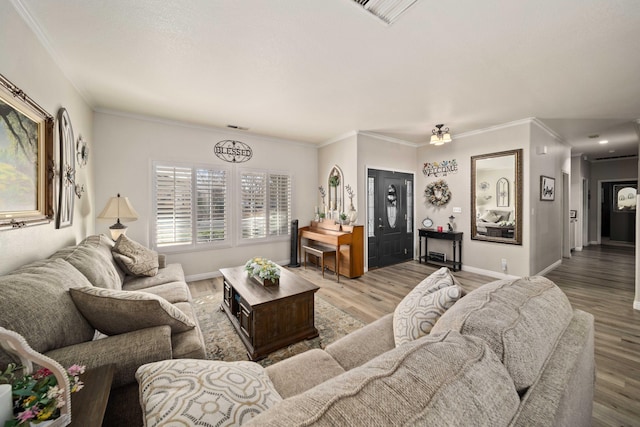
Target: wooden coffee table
269,318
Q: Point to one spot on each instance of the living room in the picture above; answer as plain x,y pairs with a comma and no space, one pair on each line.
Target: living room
124,144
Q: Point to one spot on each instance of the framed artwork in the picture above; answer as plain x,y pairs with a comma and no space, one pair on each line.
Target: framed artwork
66,177
26,159
547,188
624,198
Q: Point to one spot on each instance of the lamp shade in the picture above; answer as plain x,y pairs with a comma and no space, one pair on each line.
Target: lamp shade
119,208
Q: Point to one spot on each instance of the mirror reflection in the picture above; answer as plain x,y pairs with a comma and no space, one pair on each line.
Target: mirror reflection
496,197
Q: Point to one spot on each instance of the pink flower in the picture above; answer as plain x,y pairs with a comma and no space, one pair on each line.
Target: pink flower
74,370
27,415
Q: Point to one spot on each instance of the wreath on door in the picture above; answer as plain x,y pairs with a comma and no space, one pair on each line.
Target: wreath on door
437,193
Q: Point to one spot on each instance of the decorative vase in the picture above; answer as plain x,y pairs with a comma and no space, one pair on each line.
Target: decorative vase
266,282
353,215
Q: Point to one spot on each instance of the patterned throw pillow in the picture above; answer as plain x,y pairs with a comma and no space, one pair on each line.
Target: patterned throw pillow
134,258
416,314
116,312
189,392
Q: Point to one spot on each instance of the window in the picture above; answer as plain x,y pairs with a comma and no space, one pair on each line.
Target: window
191,205
265,203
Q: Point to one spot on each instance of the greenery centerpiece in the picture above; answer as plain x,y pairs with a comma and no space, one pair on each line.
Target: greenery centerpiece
265,271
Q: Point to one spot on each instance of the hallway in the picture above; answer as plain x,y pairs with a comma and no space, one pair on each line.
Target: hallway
600,280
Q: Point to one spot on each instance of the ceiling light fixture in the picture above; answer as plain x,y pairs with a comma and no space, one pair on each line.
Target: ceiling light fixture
602,142
386,10
440,136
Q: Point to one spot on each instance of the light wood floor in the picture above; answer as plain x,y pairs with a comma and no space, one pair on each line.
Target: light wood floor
599,280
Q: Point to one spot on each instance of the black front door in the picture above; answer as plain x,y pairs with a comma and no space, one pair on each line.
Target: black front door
390,228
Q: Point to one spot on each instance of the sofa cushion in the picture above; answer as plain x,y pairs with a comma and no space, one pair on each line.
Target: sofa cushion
364,344
134,258
435,380
172,292
520,319
490,216
35,302
190,343
116,312
92,257
416,314
292,376
190,392
172,273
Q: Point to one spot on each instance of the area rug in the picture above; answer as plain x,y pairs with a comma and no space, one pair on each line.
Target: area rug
222,341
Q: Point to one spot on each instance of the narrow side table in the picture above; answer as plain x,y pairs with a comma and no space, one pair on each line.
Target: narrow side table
89,404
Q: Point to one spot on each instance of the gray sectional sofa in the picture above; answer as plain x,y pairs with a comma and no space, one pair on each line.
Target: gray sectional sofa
510,353
61,304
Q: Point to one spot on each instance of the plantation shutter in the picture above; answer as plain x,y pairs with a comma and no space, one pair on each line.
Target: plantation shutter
253,202
211,202
173,207
279,204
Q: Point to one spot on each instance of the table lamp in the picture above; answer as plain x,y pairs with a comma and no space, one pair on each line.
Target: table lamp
119,208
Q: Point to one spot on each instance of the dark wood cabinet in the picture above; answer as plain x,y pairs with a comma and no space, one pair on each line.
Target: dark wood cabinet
269,318
456,241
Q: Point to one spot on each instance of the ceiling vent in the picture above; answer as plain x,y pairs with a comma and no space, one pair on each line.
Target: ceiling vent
386,10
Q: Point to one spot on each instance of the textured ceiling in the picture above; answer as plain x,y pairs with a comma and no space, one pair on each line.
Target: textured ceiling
314,70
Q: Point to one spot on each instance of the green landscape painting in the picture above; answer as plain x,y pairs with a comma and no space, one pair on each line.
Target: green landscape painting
18,161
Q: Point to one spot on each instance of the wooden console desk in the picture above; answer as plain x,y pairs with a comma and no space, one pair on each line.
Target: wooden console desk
456,240
348,241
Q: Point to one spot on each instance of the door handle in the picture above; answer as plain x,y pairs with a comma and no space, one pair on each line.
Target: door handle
380,223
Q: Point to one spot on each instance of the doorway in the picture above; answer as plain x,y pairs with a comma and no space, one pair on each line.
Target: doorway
390,217
618,209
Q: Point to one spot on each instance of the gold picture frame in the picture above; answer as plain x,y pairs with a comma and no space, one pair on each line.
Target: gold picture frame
26,159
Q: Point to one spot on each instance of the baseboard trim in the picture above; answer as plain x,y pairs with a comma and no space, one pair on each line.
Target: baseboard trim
489,273
578,249
214,274
636,305
549,268
202,276
594,242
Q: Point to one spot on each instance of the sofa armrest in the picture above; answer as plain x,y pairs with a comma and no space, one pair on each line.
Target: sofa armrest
364,344
127,351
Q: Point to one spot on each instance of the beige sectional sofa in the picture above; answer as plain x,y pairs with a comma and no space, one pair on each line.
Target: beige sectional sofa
61,304
510,353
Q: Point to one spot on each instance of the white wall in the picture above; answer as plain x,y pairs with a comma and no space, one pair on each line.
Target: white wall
546,217
127,146
25,62
477,255
341,153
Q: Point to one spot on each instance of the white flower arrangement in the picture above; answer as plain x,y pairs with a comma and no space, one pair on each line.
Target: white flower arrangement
262,268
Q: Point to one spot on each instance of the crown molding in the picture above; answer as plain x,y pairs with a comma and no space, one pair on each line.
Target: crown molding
234,133
338,138
388,138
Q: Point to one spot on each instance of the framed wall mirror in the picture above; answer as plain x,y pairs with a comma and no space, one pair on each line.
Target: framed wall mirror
497,215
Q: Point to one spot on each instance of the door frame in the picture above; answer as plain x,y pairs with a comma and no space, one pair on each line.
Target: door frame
599,204
366,207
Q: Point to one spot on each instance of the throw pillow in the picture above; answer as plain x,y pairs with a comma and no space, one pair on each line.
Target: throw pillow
116,312
490,216
416,314
134,258
203,392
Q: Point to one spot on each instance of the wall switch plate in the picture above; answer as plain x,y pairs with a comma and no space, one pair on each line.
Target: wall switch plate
457,210
504,264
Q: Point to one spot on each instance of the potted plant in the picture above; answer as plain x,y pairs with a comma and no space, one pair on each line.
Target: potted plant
334,180
343,219
322,216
